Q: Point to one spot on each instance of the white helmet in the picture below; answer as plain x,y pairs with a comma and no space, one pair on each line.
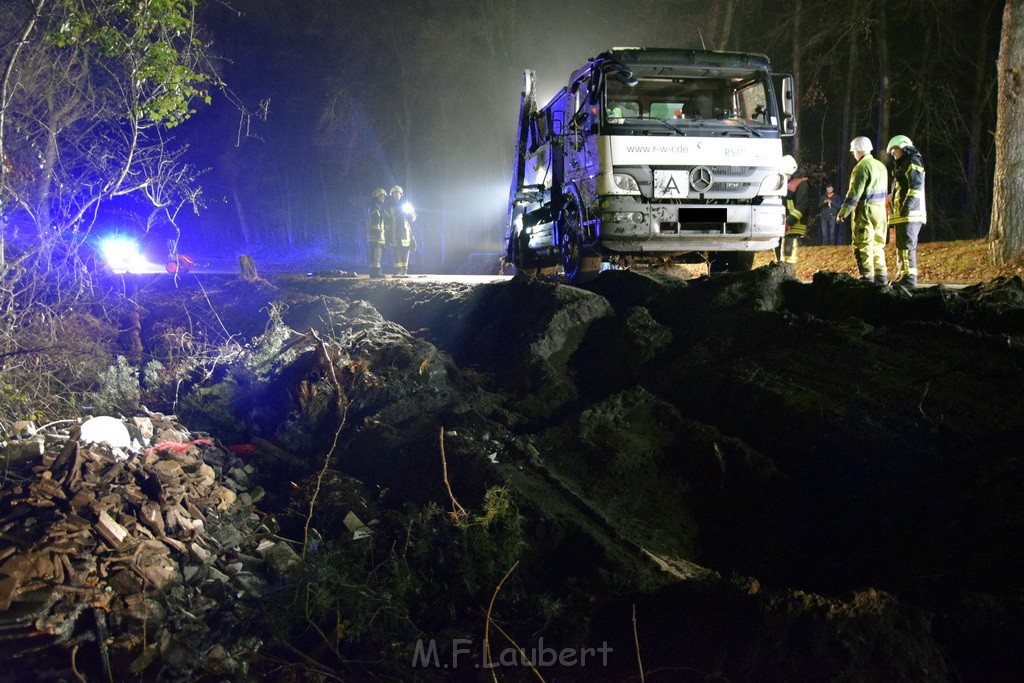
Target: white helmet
861,144
398,189
788,165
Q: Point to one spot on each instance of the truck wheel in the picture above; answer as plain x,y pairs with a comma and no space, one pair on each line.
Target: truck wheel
578,263
731,261
741,261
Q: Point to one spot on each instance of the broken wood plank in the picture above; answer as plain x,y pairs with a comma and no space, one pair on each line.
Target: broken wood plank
112,532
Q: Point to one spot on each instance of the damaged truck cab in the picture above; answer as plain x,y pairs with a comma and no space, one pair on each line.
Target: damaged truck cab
651,153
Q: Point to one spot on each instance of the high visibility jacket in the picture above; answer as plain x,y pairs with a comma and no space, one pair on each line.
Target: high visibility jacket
908,189
377,220
869,184
399,224
798,206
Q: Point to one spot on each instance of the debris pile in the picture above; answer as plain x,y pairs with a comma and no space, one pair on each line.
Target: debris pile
741,476
114,545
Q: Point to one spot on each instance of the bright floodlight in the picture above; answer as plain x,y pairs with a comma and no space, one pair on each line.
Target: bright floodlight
122,254
407,207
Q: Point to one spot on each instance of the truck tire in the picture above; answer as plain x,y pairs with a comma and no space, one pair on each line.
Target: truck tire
578,263
731,261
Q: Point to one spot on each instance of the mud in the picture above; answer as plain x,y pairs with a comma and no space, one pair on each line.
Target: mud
773,480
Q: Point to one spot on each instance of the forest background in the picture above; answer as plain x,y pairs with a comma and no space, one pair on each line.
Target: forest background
326,100
339,98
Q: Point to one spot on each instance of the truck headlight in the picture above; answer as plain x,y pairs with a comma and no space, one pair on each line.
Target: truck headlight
626,183
773,184
625,217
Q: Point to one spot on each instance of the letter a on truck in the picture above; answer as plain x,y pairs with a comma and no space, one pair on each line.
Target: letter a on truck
651,153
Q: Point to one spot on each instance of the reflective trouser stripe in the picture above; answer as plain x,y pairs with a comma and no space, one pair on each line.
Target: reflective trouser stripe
906,246
902,262
789,247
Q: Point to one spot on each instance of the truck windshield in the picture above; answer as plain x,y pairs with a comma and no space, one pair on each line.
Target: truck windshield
740,98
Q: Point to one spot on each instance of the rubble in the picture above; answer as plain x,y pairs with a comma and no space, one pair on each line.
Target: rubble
645,446
99,533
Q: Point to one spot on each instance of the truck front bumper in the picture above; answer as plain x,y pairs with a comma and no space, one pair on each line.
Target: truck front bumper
630,226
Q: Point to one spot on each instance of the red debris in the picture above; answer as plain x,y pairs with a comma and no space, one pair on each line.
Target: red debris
177,447
244,451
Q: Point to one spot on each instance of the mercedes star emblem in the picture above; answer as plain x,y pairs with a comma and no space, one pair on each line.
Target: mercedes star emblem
701,178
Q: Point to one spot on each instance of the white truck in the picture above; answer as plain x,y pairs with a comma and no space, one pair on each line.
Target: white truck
665,153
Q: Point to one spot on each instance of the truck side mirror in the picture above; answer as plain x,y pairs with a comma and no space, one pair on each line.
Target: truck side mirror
788,102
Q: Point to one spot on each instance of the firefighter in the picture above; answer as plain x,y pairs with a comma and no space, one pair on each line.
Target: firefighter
908,209
865,200
399,234
377,219
798,208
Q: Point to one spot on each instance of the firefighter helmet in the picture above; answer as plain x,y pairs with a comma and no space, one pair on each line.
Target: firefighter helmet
861,144
379,193
900,141
788,165
398,189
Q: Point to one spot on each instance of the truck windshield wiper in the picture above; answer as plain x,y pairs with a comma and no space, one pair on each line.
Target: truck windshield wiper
676,129
737,122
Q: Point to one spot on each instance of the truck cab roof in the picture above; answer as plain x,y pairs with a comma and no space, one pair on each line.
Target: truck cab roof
653,57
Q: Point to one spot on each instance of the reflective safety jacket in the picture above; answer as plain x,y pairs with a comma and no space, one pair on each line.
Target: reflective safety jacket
377,220
869,184
399,223
798,206
908,188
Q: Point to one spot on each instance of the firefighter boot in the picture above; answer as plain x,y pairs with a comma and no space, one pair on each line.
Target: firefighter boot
906,282
907,278
375,273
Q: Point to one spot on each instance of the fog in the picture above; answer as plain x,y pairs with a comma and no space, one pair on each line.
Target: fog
360,95
327,100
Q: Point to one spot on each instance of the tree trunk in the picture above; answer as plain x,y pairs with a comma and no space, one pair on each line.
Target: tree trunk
8,81
884,87
247,268
851,72
1006,236
981,99
44,184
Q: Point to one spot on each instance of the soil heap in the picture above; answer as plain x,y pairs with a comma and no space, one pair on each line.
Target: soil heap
741,476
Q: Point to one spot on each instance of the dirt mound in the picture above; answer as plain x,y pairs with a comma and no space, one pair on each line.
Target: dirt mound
824,437
539,458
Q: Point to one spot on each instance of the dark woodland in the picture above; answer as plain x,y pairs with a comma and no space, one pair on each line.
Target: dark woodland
426,96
